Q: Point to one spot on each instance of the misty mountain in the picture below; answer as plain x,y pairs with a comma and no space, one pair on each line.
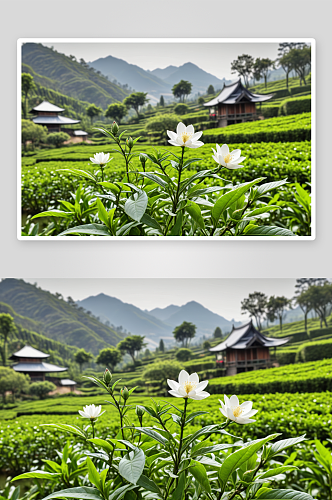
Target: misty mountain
205,320
164,314
163,74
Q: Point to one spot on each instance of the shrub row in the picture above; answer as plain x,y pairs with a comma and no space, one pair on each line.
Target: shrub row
290,91
286,357
314,351
319,332
295,106
199,366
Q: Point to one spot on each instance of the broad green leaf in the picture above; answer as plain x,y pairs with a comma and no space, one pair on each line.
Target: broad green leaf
177,228
131,465
231,197
285,495
196,214
199,473
148,484
155,178
151,222
120,492
152,434
283,444
262,210
178,493
125,229
236,459
209,429
276,471
93,229
204,450
93,473
324,452
81,492
193,192
38,474
135,206
54,213
194,415
268,186
269,231
73,429
102,212
80,173
113,187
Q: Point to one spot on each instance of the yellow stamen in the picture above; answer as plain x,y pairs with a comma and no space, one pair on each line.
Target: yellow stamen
237,411
189,386
185,136
228,158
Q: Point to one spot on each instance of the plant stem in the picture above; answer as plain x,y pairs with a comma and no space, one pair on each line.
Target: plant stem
176,199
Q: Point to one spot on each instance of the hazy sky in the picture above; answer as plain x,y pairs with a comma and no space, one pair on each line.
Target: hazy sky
221,296
215,58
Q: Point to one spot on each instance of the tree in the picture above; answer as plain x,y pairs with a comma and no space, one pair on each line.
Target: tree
263,67
41,389
303,301
135,100
210,90
182,89
27,85
116,111
184,333
57,138
109,357
255,305
93,111
286,63
162,371
201,100
206,345
82,357
183,354
33,133
181,109
277,307
217,334
162,101
132,345
162,123
319,298
161,346
7,328
243,66
12,381
301,60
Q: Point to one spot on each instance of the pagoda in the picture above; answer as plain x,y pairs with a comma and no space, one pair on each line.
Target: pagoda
245,349
31,362
235,104
47,114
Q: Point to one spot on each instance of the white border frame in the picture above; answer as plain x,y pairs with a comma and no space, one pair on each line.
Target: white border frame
312,41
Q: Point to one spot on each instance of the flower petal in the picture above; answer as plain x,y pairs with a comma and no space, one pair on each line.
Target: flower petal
171,135
201,395
183,377
226,399
173,385
230,414
224,149
182,391
230,166
196,136
249,414
201,386
176,394
180,128
236,154
224,412
234,401
194,378
246,406
244,420
190,129
174,143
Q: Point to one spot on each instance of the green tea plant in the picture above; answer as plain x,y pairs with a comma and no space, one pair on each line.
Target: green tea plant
164,461
162,201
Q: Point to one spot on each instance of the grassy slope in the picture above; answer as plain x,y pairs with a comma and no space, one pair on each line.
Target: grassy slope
70,77
61,321
295,327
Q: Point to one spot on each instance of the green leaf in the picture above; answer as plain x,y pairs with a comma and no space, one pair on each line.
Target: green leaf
120,492
236,459
81,492
123,230
102,212
177,228
95,229
153,434
196,214
178,493
276,471
285,494
199,450
269,231
93,473
148,484
262,210
193,192
54,213
131,465
199,473
209,429
194,415
151,222
38,474
231,197
80,173
135,206
105,445
283,444
265,188
155,178
113,187
73,429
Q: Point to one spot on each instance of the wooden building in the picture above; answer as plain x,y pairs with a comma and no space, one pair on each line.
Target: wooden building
235,104
245,349
48,115
31,362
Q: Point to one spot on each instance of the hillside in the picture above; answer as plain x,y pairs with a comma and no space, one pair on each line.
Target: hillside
61,73
55,318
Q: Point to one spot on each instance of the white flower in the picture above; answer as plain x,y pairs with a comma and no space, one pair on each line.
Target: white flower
185,136
227,159
91,411
101,158
188,386
234,411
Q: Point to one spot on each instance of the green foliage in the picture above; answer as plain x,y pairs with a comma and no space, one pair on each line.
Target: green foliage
41,389
7,329
182,89
295,106
32,132
92,111
160,371
210,90
201,100
109,357
57,138
313,351
132,345
116,111
136,100
14,382
161,123
184,332
183,354
181,109
217,334
82,357
27,84
285,357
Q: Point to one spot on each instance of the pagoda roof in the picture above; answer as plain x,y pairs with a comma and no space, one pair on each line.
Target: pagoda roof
245,336
79,133
47,107
235,93
29,352
53,120
67,381
41,367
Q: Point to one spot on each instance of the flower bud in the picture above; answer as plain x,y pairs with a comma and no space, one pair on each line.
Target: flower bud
139,411
142,159
125,393
115,128
107,377
130,142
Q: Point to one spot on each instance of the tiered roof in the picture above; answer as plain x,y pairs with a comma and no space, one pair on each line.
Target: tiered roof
236,93
25,366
